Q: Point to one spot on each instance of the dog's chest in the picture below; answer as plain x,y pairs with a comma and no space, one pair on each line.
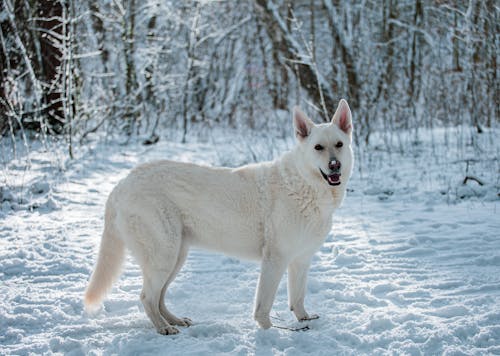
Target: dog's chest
309,205
312,214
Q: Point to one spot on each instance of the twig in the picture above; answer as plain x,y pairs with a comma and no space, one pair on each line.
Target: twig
303,328
92,130
467,178
314,66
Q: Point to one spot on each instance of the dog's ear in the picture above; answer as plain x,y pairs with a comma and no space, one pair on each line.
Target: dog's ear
343,117
301,124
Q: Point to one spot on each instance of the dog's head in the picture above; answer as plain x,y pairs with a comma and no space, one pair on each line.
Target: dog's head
325,149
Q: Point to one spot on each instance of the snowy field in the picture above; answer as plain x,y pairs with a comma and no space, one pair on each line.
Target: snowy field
411,266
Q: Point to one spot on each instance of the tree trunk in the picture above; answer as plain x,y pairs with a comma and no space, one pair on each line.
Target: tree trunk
131,114
289,52
354,87
415,60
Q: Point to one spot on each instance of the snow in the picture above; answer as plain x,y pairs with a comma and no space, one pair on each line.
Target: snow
411,266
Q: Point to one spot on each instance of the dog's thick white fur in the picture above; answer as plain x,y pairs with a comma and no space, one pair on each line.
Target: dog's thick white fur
276,212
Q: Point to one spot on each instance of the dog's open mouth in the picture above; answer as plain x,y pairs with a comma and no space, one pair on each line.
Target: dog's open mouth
332,179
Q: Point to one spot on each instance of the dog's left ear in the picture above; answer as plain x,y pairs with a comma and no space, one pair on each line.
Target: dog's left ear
343,117
301,124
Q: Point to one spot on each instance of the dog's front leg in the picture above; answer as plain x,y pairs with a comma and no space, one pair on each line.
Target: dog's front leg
272,270
297,280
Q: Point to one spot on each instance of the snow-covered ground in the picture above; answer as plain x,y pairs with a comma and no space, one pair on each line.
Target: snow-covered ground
411,266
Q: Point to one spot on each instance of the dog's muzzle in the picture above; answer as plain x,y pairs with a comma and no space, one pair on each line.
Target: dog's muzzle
332,179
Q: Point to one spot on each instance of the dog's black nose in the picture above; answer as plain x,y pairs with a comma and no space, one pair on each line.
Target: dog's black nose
334,165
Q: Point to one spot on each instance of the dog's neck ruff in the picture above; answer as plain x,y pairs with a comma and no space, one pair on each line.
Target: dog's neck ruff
313,195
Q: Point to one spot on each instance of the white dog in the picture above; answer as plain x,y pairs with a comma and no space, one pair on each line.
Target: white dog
276,212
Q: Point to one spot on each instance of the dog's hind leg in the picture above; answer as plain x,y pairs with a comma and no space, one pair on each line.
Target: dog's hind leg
155,240
150,297
171,318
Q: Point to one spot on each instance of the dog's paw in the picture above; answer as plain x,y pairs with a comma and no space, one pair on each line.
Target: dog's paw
186,322
168,330
263,321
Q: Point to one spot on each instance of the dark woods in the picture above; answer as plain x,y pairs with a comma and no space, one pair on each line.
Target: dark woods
30,63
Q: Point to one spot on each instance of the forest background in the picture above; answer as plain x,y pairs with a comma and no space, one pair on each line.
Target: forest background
70,69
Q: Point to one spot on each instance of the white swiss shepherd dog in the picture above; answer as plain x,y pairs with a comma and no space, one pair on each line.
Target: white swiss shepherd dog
278,213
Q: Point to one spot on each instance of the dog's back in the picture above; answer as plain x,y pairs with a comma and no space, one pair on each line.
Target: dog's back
219,208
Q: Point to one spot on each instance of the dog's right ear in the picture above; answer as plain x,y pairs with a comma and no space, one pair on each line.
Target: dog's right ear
301,124
343,117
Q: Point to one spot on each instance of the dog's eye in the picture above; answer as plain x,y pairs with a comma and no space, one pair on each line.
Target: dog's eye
339,144
318,148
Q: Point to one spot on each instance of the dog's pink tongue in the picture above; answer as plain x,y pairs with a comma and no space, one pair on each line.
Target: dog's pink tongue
334,178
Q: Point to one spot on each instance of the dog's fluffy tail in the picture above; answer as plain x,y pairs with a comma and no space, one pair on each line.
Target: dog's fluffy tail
108,266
